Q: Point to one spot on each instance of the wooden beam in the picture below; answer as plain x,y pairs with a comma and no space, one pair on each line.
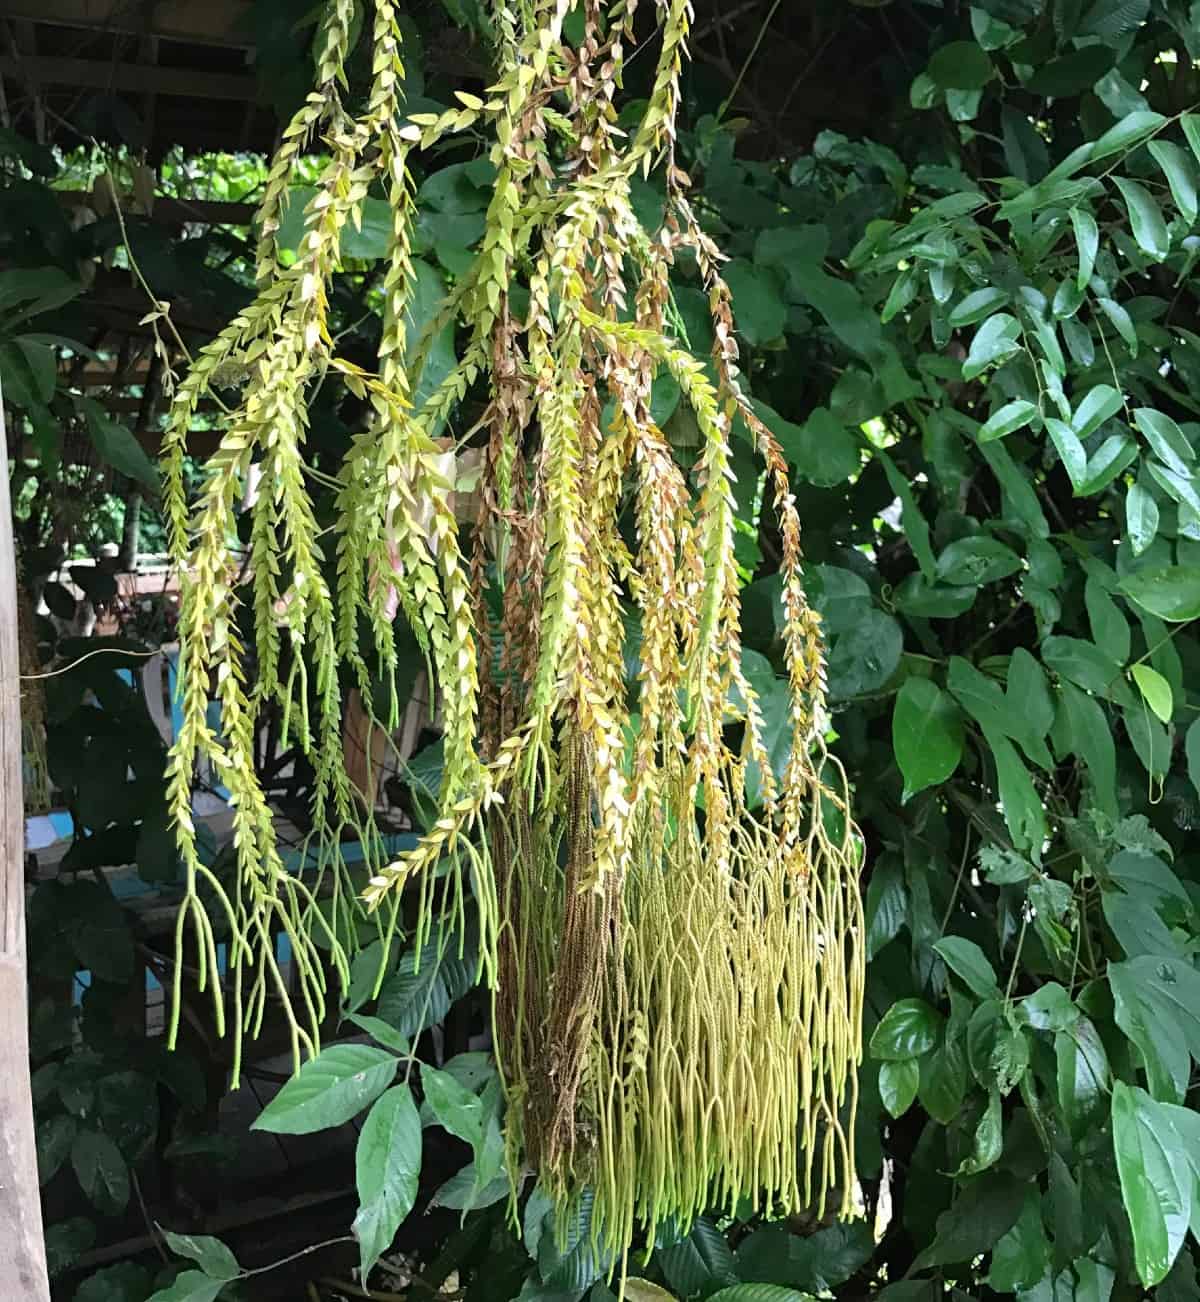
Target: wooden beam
22,1249
205,22
190,83
179,212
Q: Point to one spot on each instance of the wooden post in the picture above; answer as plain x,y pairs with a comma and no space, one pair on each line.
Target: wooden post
22,1249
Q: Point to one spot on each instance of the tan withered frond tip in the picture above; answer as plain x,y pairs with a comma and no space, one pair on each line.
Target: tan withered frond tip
677,978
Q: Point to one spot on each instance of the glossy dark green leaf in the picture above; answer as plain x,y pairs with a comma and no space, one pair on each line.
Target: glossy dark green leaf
387,1169
53,1137
908,1029
886,904
1008,419
1110,628
328,1090
996,340
1181,172
987,1141
864,658
1157,1005
975,560
961,65
1087,242
898,1083
379,1030
977,305
1049,1008
1145,217
1141,518
425,984
1169,442
1098,405
927,734
969,963
1082,1075
190,1286
1070,451
1172,593
985,1209
1022,1256
698,1265
1127,134
1158,1182
210,1254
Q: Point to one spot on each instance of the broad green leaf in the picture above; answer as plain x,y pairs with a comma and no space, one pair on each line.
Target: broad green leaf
758,1293
53,1140
1071,73
995,712
1158,1182
903,291
1097,406
864,657
886,904
998,1053
1138,927
926,735
1155,690
922,600
1023,808
190,1286
898,1085
1157,1005
1141,518
116,445
379,1030
914,524
328,1090
1022,1256
1012,416
968,962
426,982
1070,451
977,560
1127,134
1190,122
1112,457
987,1141
1089,737
699,1263
1166,438
387,1168
944,1079
1087,242
1082,1075
1183,488
1110,628
1172,593
457,1108
908,1029
645,1290
1142,873
1121,321
1145,217
761,311
961,65
983,1212
995,341
1181,173
978,304
211,1255
1049,1008
1192,750
101,1171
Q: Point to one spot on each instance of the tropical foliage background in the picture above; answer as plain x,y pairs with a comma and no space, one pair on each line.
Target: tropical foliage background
962,242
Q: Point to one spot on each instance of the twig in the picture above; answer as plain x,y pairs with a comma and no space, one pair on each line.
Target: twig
758,40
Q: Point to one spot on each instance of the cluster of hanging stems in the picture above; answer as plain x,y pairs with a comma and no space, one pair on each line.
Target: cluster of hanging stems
677,976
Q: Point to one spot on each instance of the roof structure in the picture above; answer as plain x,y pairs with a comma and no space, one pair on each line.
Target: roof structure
174,73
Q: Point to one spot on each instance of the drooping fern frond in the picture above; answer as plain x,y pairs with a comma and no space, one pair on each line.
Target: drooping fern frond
677,971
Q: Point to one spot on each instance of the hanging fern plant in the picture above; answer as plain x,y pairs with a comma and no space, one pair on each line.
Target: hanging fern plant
677,975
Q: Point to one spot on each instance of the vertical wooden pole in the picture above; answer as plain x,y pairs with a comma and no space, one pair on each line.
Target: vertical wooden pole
22,1249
